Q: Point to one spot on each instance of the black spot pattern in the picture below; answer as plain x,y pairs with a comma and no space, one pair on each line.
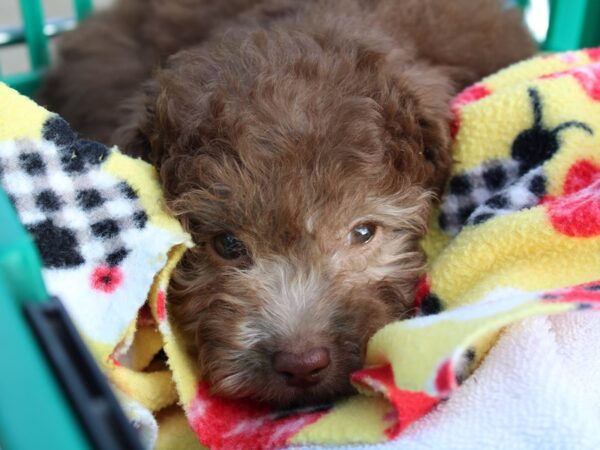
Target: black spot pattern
498,201
140,218
58,131
509,185
480,218
89,199
431,304
584,306
93,152
77,157
32,163
470,355
48,201
463,368
495,178
105,229
443,221
468,191
71,161
538,185
460,185
538,144
465,212
60,243
128,191
116,257
58,246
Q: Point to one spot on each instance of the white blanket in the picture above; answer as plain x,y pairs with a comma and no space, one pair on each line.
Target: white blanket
539,388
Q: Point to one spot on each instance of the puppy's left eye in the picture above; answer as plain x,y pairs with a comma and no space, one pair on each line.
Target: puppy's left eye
229,247
362,233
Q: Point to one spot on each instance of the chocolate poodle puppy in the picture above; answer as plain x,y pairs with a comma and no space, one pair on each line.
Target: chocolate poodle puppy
302,143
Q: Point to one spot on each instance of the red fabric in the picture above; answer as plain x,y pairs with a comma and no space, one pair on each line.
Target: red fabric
580,175
469,95
589,79
577,294
422,290
593,53
445,378
160,305
409,406
223,424
577,213
587,76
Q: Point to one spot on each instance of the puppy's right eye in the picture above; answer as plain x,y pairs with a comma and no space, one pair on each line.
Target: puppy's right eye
362,233
229,247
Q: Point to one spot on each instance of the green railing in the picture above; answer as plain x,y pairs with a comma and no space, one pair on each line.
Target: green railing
35,32
571,24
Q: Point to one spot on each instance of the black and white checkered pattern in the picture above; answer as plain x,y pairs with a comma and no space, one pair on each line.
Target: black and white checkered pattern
492,189
75,211
526,192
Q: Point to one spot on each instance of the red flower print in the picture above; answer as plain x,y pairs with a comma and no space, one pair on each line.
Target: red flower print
160,305
589,79
106,279
580,175
409,406
445,378
577,213
593,53
469,95
223,424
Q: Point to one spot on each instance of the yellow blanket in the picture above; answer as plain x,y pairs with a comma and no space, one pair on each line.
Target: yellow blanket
517,234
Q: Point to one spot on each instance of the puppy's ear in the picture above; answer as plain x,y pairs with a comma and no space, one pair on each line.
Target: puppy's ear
415,98
137,137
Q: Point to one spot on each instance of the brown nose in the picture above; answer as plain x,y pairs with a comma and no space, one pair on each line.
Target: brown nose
304,369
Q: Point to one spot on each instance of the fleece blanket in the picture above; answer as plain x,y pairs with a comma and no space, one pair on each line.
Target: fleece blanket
547,400
103,235
517,234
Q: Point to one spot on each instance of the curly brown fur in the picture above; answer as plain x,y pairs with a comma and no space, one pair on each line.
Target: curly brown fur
287,123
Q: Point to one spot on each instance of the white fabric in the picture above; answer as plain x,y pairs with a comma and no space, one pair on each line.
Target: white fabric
539,388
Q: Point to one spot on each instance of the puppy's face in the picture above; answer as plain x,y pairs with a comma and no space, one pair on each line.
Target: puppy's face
306,187
293,271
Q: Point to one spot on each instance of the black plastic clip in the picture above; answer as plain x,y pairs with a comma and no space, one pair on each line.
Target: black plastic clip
86,387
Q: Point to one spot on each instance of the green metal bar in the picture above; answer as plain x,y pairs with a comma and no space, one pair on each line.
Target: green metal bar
19,260
573,24
591,33
12,35
26,83
34,414
37,44
522,3
35,33
83,8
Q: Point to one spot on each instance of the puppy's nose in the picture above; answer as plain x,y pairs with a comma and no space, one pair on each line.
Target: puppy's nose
304,369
